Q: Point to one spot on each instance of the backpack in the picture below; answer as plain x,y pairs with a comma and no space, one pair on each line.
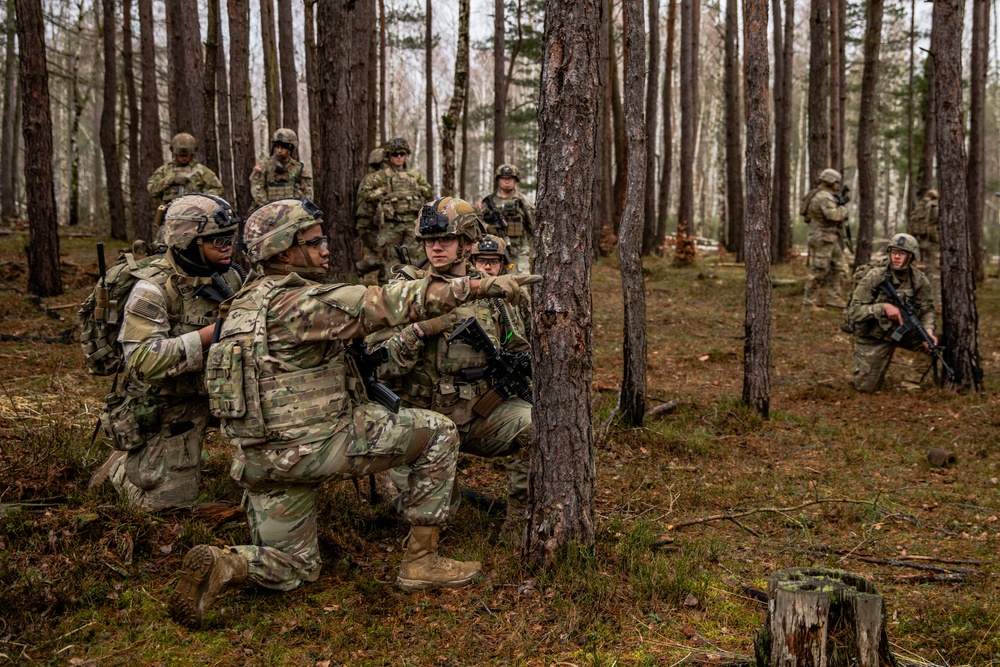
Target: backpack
101,315
878,260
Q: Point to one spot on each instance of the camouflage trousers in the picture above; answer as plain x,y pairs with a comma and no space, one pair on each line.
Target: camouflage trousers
828,271
281,486
930,263
519,251
872,357
165,469
391,234
505,432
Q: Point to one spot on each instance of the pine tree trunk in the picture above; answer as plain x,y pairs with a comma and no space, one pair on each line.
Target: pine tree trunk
272,86
652,88
449,121
618,126
684,252
925,173
210,76
958,286
44,277
344,33
180,120
239,101
499,87
289,77
977,132
836,35
193,78
630,237
141,222
112,167
668,127
910,111
372,99
819,65
382,68
313,85
429,92
222,108
735,213
784,194
8,208
151,146
757,237
603,167
463,160
561,481
867,179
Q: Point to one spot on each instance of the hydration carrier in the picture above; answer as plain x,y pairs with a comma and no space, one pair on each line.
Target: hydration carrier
878,260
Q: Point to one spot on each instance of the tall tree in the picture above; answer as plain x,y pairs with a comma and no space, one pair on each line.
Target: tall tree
289,77
819,65
210,140
561,482
79,100
911,110
499,87
603,168
44,277
866,124
222,109
194,69
663,205
836,131
151,149
449,122
925,172
344,31
781,178
652,88
429,90
179,113
8,207
372,135
630,237
734,125
618,130
958,286
312,84
141,223
239,101
109,145
382,32
685,250
757,243
976,176
272,86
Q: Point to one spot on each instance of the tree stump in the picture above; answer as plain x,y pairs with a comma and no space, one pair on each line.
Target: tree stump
823,618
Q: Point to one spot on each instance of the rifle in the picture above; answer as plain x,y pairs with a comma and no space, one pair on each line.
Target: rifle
912,323
847,237
368,363
496,216
508,372
403,253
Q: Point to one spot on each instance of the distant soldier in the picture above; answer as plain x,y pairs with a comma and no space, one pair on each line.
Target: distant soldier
396,194
923,225
824,208
365,225
517,210
182,175
280,176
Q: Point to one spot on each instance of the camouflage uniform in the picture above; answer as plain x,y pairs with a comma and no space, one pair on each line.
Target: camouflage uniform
828,269
395,196
365,225
923,224
873,344
272,180
518,212
160,412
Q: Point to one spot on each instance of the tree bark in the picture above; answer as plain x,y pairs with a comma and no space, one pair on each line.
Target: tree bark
618,126
239,101
958,286
372,134
222,108
344,33
910,111
44,277
193,77
141,223
867,179
781,221
735,213
8,207
382,68
429,91
499,87
668,127
109,147
685,249
603,166
976,177
561,481
449,121
79,103
210,76
272,86
757,236
289,77
836,35
313,85
819,65
631,234
652,88
151,146
179,112
925,174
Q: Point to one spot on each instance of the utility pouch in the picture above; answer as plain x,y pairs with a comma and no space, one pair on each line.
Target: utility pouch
118,421
147,416
224,380
488,403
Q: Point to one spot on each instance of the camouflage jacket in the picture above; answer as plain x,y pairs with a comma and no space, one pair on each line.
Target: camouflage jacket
201,179
396,195
923,221
272,180
159,332
364,214
822,212
517,210
867,309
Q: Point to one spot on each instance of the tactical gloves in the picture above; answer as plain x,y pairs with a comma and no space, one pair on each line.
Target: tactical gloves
434,326
507,287
845,195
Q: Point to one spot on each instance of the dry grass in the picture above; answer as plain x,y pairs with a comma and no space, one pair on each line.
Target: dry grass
85,579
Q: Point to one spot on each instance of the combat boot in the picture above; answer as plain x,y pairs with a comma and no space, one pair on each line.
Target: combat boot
422,567
204,573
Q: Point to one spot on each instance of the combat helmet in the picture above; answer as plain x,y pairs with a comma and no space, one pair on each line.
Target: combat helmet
189,221
491,245
284,137
376,157
830,176
906,243
396,145
509,170
277,226
183,144
450,217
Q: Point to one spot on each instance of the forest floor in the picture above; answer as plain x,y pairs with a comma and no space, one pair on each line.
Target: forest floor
84,580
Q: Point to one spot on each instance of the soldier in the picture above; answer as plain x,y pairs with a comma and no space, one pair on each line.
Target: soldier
517,211
396,194
875,319
490,259
159,414
365,225
305,419
824,208
428,369
280,176
182,175
923,225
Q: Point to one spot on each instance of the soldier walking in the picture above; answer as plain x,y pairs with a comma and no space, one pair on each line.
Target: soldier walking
280,175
